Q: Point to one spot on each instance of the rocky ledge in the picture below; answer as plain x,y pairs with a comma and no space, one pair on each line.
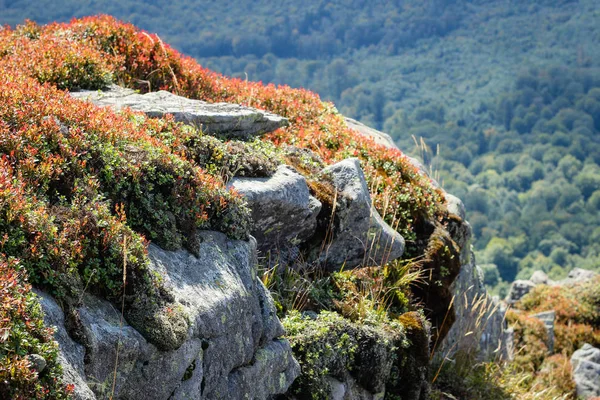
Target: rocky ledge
233,347
228,120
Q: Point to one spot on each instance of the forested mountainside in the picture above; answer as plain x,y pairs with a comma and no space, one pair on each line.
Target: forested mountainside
500,98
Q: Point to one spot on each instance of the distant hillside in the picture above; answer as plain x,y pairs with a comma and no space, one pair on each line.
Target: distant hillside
507,89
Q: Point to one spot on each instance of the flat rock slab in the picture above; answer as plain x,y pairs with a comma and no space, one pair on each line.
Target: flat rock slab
229,120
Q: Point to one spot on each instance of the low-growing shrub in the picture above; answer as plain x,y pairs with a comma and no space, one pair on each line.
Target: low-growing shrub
22,337
142,61
577,309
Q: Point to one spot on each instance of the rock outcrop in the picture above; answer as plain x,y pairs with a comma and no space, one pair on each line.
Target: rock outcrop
479,328
283,211
518,289
358,235
479,325
234,346
233,349
586,371
548,318
346,360
286,217
521,287
379,137
540,278
578,275
225,119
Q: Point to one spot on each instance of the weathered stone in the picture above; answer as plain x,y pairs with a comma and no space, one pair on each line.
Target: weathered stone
518,289
540,278
346,360
491,338
423,171
548,319
578,275
268,373
586,371
233,346
350,390
229,120
472,304
283,211
456,206
37,362
379,137
480,328
71,354
359,235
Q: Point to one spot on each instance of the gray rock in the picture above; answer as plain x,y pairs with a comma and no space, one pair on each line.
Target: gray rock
71,354
480,326
456,206
267,374
350,390
548,318
37,362
423,171
379,137
491,338
234,346
518,289
229,120
586,371
359,236
283,211
540,278
578,275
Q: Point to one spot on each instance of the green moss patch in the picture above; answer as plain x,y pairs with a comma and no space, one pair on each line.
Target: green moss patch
378,356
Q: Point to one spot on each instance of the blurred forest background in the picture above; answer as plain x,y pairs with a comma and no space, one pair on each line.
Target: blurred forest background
504,93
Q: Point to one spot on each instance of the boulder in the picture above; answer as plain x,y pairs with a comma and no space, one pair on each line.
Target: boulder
540,278
548,318
228,120
480,327
579,275
358,234
518,289
586,371
283,211
234,345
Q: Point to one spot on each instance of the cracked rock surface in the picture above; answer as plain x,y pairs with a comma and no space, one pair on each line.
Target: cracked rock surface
359,237
234,347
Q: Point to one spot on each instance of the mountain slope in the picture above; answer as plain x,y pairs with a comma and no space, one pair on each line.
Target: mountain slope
471,77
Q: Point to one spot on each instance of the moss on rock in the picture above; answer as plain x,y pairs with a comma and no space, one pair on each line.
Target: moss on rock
385,357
